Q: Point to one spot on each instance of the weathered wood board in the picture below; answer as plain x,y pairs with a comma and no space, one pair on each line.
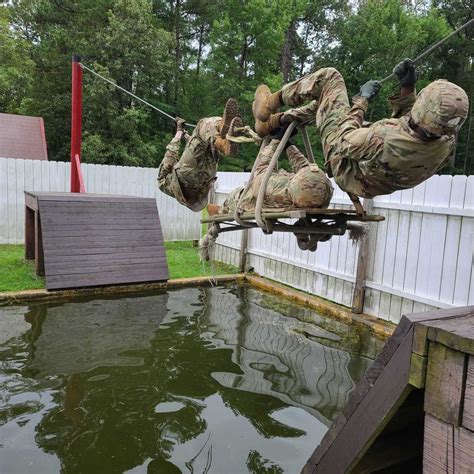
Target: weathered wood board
91,240
387,404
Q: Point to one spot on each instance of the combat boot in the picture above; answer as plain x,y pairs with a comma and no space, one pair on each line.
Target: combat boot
235,124
231,109
213,209
265,103
225,147
266,128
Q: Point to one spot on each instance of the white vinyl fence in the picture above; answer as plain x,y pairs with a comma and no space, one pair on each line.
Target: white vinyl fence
420,257
17,176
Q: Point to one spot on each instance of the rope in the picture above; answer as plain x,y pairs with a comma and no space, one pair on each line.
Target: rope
266,177
83,66
247,187
433,47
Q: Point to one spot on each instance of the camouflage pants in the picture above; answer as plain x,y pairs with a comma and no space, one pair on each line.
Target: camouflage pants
327,90
306,186
189,178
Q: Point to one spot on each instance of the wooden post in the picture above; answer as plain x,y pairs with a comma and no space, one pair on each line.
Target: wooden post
362,257
243,250
29,233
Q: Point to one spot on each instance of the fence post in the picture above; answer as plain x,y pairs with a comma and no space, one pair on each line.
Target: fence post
361,270
243,250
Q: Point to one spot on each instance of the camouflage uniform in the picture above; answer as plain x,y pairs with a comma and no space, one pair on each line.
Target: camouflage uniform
307,186
386,156
189,178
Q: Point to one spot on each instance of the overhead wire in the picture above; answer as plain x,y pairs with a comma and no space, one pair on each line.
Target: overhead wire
83,66
433,47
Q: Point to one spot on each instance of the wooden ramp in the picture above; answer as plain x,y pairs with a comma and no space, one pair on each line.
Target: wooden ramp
22,136
414,409
81,240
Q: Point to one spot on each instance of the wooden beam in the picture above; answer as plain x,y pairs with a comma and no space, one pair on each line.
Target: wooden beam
444,383
358,295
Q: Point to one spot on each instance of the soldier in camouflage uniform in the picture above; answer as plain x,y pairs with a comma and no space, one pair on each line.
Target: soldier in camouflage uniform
189,178
389,155
306,187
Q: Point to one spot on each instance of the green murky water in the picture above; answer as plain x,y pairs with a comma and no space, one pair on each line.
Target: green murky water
208,380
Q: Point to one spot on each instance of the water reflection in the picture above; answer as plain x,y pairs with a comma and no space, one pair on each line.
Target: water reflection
196,380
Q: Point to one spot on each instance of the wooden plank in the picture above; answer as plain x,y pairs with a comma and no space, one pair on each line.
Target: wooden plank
369,418
101,244
98,206
132,234
113,278
468,409
438,443
77,197
444,383
456,333
97,227
447,448
418,367
463,451
141,255
124,267
65,252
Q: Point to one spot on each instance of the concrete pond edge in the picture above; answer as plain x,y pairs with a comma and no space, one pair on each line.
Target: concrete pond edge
378,326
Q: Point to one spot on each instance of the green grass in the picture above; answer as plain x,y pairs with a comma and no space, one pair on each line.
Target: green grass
16,273
183,261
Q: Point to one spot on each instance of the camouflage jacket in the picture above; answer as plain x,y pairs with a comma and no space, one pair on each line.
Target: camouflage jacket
386,156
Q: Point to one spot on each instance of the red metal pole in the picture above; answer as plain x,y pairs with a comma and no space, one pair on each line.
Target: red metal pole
76,124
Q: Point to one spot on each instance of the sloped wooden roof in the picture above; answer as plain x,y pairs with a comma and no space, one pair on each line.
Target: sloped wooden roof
22,136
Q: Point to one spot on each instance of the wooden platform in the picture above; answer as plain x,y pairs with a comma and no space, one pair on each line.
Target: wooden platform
81,240
414,409
315,213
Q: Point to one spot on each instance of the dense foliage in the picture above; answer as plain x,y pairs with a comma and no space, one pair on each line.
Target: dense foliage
189,56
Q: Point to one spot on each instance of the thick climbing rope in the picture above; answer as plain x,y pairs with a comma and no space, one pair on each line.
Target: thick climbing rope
433,47
83,66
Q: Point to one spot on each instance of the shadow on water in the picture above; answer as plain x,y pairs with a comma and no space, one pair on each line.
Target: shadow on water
222,379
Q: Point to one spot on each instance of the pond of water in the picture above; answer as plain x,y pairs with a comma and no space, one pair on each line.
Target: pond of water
205,380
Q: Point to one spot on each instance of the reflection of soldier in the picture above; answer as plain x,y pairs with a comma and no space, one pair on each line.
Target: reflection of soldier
189,178
306,186
391,154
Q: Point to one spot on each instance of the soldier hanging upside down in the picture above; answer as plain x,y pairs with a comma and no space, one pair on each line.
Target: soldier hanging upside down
189,178
306,187
389,155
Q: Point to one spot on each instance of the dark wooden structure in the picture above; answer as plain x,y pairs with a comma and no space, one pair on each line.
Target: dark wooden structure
22,136
414,409
81,240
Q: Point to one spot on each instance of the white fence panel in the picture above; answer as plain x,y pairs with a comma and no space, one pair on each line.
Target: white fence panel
420,257
17,176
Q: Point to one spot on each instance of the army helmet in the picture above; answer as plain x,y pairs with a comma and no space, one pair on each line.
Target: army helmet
440,108
310,187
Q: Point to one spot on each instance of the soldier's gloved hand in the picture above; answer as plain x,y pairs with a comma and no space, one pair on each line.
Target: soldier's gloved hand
370,89
279,132
406,73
